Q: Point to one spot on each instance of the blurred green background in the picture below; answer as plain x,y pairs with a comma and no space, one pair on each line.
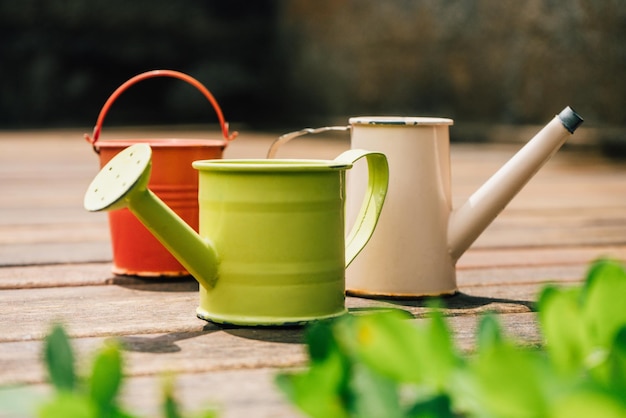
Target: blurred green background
291,63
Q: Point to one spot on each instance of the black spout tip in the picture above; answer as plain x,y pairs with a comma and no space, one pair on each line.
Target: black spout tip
570,119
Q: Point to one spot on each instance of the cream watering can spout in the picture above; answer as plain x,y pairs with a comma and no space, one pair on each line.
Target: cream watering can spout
420,237
271,247
470,220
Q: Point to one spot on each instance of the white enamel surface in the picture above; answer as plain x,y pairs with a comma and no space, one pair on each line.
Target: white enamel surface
408,252
418,240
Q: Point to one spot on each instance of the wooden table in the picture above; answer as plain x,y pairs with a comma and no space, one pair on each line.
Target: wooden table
55,266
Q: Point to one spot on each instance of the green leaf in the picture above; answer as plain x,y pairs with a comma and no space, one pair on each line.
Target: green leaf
68,404
317,401
387,343
617,362
603,315
206,414
439,357
321,340
106,376
489,333
588,403
331,363
510,381
439,406
170,405
375,396
560,317
321,390
60,359
383,365
611,370
600,268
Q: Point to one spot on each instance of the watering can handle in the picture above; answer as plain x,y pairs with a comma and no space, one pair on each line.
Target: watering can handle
158,73
283,139
377,183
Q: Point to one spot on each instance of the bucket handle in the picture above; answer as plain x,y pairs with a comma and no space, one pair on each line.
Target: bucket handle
158,73
283,139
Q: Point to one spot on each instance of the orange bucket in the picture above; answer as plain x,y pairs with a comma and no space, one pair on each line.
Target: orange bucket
135,250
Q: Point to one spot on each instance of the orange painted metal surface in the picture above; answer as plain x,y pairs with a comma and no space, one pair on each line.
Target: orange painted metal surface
135,250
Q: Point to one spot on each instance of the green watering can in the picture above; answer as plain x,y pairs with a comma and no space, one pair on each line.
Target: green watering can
271,247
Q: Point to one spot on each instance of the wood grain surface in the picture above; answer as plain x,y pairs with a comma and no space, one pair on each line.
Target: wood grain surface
55,266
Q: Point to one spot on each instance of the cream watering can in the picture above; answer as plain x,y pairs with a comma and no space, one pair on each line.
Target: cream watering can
271,248
419,237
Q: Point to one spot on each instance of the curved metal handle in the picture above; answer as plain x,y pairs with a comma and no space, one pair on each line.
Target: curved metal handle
283,139
158,73
366,220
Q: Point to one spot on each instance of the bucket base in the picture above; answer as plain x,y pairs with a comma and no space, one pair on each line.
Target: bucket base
263,321
150,274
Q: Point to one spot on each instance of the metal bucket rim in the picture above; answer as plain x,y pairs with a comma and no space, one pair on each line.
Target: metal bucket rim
163,142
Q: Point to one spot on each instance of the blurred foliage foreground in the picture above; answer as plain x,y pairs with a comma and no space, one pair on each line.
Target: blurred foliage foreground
382,365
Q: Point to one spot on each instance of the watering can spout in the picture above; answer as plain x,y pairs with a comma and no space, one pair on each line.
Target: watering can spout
122,183
471,219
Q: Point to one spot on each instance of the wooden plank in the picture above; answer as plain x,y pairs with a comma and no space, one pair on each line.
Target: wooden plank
236,391
44,174
549,235
131,301
61,275
48,253
86,244
45,250
487,262
204,349
134,311
569,214
99,310
209,349
476,257
511,284
56,232
242,393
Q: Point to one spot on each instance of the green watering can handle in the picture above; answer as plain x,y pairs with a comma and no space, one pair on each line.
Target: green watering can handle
378,180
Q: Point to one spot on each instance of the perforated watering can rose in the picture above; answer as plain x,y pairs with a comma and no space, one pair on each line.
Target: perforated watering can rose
272,248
